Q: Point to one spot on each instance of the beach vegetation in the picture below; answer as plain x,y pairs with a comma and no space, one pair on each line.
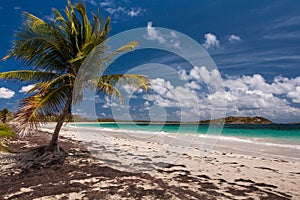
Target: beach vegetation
53,51
6,133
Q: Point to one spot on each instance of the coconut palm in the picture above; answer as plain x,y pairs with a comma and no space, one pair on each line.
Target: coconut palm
55,50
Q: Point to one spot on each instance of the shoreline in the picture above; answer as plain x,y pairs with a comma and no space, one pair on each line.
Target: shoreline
263,146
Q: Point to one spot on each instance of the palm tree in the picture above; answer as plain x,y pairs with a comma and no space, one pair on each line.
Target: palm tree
4,113
55,50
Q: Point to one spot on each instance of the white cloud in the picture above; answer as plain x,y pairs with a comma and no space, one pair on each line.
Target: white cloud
110,102
17,8
6,93
154,34
253,95
279,86
165,95
234,38
134,12
277,99
118,9
193,85
211,41
26,88
244,95
201,75
170,39
295,95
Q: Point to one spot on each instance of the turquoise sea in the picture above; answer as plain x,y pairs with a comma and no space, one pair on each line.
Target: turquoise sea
287,133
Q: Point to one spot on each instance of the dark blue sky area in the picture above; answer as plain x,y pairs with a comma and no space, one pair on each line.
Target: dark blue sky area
269,30
243,37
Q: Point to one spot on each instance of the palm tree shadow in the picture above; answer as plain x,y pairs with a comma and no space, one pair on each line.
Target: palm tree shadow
31,151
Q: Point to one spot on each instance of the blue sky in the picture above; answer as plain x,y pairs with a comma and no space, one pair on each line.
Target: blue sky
255,45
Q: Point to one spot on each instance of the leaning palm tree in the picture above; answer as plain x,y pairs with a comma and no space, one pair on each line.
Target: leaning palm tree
54,50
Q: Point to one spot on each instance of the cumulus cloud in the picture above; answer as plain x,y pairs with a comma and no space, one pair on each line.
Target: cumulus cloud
26,88
200,93
193,85
279,86
6,93
187,95
166,95
109,102
244,95
295,95
253,95
170,39
211,41
201,75
234,38
154,34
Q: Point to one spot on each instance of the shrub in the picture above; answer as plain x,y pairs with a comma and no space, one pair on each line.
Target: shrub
6,133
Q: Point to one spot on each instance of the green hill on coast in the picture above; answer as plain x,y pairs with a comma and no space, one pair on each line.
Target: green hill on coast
238,120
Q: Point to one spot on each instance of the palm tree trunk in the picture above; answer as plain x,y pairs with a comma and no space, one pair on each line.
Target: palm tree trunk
65,113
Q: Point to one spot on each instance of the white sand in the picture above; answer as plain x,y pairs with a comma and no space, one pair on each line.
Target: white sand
244,164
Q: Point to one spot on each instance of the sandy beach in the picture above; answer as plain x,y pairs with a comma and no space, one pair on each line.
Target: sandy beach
150,100
162,166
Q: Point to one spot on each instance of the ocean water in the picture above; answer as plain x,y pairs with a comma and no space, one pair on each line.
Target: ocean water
287,133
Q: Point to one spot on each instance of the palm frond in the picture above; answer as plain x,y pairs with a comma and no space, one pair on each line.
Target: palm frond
40,44
86,28
125,48
109,83
57,82
96,61
35,108
28,75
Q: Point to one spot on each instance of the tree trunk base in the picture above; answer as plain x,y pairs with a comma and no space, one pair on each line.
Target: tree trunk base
42,157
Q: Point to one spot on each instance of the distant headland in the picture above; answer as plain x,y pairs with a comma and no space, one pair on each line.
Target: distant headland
238,120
